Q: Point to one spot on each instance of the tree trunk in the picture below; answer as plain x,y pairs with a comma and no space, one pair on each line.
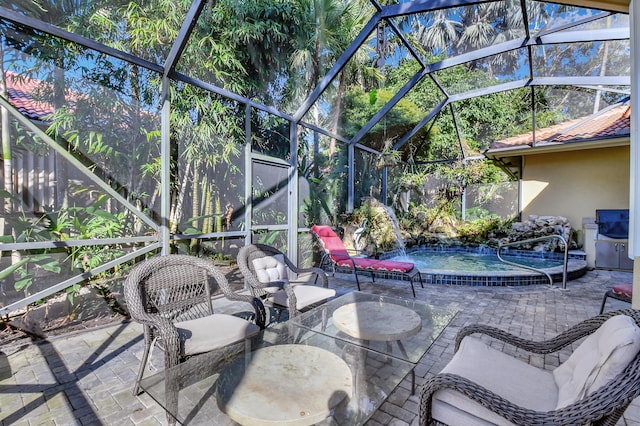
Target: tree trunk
195,203
206,206
218,215
603,72
176,208
336,117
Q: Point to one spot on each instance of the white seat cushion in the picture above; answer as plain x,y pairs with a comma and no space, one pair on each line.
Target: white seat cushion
306,295
601,357
212,332
514,380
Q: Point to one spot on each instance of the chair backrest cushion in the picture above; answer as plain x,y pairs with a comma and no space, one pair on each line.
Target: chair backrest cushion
270,268
600,358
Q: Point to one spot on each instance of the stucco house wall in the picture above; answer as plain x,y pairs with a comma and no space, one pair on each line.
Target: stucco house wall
574,184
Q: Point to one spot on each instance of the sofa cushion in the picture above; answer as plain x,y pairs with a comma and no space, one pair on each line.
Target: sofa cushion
211,332
509,377
270,268
600,357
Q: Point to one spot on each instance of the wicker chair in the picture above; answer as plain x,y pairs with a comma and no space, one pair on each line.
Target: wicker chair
266,270
485,390
171,296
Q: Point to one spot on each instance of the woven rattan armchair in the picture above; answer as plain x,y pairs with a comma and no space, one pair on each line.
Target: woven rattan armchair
266,270
171,296
602,404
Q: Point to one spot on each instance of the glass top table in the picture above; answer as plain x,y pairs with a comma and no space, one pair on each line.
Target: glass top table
401,328
259,381
344,379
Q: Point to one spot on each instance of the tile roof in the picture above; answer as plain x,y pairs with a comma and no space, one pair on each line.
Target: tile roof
20,90
608,123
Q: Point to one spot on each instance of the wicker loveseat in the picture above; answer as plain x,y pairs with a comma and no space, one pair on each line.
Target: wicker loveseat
594,386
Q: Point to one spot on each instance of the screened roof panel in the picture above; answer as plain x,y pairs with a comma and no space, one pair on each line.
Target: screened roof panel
426,94
563,104
616,20
469,49
390,79
139,28
450,32
398,121
547,17
441,139
600,58
485,72
360,70
492,117
283,54
233,59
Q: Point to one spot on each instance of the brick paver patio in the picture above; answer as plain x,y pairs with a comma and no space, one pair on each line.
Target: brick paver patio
86,378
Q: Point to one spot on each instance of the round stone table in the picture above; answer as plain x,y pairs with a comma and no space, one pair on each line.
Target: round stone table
377,321
292,385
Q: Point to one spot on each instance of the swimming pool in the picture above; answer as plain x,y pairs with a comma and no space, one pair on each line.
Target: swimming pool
481,266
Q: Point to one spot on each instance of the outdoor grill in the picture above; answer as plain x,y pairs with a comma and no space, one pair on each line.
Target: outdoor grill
613,223
611,239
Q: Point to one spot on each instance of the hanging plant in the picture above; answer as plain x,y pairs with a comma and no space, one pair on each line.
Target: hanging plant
389,157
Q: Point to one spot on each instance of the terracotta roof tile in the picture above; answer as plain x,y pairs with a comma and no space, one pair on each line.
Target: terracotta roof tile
613,122
20,90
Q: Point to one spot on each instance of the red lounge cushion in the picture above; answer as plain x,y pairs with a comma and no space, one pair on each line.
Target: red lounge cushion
330,242
393,266
339,254
623,289
323,231
361,263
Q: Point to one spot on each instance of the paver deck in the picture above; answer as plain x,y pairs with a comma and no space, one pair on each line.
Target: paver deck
86,378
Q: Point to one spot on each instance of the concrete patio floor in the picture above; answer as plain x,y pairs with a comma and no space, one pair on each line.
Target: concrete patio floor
86,378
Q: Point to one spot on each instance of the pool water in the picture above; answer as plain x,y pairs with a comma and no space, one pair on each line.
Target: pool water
472,262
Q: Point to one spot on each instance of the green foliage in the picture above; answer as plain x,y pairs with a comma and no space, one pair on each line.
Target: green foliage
379,228
480,231
316,206
27,229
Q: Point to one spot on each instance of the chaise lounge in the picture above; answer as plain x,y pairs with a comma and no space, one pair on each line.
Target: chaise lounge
336,253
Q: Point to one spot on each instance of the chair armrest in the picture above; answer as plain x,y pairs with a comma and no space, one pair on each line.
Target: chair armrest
475,392
317,271
554,344
610,399
542,347
257,284
258,308
167,332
